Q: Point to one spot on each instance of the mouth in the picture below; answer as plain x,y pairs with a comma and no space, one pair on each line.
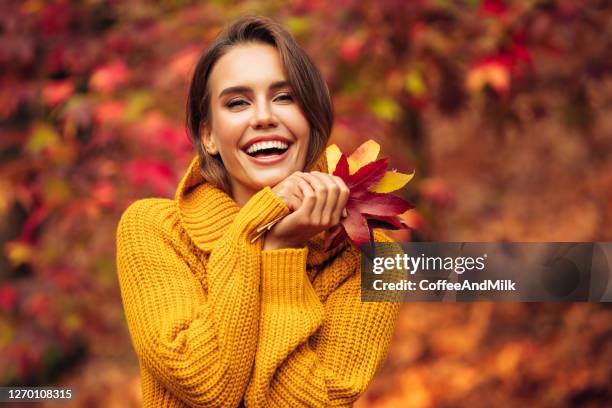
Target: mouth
268,151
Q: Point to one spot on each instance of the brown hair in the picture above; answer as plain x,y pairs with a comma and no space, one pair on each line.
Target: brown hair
308,87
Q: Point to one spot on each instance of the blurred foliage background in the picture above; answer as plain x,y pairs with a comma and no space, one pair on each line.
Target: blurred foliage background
503,108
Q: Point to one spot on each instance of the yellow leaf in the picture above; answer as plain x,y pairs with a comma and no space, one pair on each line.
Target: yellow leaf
43,136
6,333
56,190
385,109
72,321
333,154
137,104
18,252
364,154
413,82
391,181
297,25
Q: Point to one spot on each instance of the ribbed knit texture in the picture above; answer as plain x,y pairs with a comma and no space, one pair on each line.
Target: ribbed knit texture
216,320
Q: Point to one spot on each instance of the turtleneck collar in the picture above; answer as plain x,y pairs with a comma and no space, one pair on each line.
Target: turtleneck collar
206,212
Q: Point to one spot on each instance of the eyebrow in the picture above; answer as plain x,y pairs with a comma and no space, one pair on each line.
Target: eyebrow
241,88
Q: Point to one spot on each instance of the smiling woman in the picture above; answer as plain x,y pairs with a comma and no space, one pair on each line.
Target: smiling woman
255,74
218,319
254,109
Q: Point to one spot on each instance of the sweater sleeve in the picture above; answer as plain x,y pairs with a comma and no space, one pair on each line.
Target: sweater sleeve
314,354
200,346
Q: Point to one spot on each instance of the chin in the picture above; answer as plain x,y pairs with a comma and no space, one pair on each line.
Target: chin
270,181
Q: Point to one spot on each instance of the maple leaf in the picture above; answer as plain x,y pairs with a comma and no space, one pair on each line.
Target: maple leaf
369,205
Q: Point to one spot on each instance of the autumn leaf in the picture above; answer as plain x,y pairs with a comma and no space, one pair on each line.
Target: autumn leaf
355,225
352,48
364,154
367,175
379,203
183,63
109,112
152,173
8,297
391,181
43,136
107,78
56,92
368,206
332,153
19,252
342,169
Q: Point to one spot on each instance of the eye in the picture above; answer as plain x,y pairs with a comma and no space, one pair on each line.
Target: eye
285,97
235,102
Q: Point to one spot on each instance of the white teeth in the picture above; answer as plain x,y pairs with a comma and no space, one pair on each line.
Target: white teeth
267,145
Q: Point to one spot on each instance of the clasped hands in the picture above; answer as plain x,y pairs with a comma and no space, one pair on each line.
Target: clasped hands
317,202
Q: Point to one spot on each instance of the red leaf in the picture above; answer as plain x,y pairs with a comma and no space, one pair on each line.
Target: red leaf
107,78
36,218
8,297
496,8
368,175
104,193
110,112
342,168
378,203
155,174
366,209
356,226
54,93
351,49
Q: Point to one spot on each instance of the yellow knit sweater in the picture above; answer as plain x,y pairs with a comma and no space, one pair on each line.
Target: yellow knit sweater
216,321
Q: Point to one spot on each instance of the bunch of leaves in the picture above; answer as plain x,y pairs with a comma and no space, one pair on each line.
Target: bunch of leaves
369,204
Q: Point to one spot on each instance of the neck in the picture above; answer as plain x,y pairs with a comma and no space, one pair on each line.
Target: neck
240,194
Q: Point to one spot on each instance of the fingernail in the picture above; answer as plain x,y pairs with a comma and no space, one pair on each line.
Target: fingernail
344,213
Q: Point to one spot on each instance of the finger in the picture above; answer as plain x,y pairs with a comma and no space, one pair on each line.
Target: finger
288,190
293,181
333,191
320,197
293,201
309,200
320,190
343,194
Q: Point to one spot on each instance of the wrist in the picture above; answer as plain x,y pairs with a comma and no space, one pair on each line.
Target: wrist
271,243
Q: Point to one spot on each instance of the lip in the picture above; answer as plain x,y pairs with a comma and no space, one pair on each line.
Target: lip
270,159
267,138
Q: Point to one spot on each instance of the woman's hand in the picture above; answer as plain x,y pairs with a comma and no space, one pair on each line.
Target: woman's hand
288,191
317,200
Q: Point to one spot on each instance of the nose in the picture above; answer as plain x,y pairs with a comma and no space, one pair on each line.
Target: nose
263,117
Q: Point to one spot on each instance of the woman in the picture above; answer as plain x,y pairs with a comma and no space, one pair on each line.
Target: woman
220,319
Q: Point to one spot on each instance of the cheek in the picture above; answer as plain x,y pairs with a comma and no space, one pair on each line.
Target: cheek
297,123
229,130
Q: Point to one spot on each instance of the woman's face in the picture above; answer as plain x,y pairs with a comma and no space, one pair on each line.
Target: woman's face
250,99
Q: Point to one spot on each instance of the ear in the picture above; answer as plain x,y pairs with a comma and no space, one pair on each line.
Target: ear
207,141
